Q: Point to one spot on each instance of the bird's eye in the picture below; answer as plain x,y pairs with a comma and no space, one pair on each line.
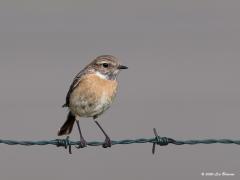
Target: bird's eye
105,65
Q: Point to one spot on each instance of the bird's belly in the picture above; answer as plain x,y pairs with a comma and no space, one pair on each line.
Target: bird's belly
84,107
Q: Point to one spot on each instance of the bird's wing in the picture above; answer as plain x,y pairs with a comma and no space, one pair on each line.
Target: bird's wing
74,84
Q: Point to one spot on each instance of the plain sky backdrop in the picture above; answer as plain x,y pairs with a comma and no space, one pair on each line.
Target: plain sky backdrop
183,79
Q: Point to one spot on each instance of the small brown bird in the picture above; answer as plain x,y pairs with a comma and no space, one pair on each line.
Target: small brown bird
91,94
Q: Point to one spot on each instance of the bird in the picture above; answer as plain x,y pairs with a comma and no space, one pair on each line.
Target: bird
91,93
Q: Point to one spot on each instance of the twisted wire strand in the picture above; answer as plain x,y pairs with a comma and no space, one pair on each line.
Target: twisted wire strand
115,142
157,140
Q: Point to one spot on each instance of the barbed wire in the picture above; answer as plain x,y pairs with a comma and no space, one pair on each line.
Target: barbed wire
157,140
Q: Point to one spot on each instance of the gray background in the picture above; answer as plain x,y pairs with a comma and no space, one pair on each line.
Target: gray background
183,79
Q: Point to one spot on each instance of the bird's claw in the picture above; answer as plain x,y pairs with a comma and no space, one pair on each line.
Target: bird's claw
107,143
82,144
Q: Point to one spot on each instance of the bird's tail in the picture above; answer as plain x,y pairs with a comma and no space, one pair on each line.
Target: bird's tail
68,125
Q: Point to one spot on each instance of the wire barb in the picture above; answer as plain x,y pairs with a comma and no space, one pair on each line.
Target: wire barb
161,141
65,143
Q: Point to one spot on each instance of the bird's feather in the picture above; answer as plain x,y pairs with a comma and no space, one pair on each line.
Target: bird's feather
74,84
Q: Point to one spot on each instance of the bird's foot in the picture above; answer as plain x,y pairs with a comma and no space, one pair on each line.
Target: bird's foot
107,143
82,144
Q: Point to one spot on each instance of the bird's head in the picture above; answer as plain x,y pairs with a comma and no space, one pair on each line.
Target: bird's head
106,66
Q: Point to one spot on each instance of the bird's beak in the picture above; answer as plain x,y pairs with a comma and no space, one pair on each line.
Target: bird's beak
122,67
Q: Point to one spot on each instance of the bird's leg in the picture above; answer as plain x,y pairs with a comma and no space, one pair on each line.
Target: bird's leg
83,142
107,142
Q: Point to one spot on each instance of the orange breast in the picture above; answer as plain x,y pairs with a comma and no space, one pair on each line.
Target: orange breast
95,91
96,86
